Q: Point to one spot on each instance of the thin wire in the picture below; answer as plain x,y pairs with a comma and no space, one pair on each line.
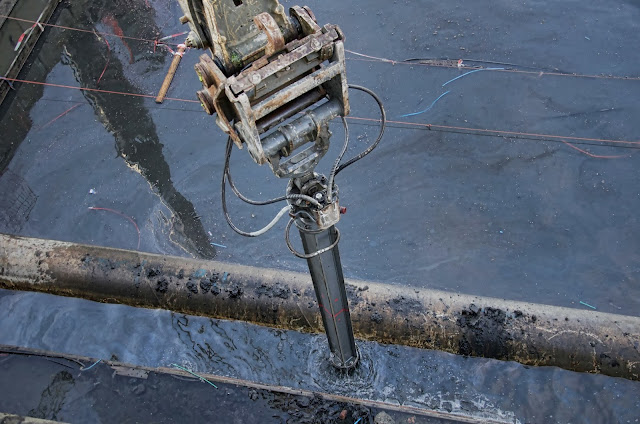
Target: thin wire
201,378
91,366
334,170
481,130
107,62
471,72
61,115
493,62
97,90
82,30
427,109
414,124
591,154
383,120
517,71
93,208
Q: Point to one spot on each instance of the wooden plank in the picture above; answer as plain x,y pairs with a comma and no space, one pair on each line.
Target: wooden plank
25,50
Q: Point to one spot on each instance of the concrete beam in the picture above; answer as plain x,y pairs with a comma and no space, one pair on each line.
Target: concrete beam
532,334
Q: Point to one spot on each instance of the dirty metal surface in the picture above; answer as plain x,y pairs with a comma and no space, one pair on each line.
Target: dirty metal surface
531,334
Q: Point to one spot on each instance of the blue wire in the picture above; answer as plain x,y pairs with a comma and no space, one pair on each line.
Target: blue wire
91,366
218,245
471,72
358,420
427,109
195,375
586,304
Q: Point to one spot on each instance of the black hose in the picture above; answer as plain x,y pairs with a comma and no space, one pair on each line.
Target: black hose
224,200
334,170
383,125
251,201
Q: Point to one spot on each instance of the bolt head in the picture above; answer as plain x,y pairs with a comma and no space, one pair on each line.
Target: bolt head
256,78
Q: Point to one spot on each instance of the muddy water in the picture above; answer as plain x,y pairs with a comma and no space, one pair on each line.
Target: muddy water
502,391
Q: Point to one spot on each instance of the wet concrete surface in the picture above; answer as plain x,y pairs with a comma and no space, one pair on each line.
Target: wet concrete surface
467,387
522,219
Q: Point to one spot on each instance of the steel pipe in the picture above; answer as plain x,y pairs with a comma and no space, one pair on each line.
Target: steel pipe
532,334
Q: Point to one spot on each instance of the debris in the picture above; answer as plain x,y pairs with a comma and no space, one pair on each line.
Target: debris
586,304
383,418
343,414
92,191
587,38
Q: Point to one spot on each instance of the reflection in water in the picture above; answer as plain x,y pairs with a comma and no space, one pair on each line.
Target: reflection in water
126,117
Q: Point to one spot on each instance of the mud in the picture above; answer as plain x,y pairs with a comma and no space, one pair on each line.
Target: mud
162,285
279,290
484,333
205,285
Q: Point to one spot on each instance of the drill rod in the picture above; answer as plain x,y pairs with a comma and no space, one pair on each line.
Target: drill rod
328,282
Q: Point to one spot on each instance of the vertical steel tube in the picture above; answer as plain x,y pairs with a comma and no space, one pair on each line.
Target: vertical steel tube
328,282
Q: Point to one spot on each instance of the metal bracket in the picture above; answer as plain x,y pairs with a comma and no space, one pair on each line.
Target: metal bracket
272,89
